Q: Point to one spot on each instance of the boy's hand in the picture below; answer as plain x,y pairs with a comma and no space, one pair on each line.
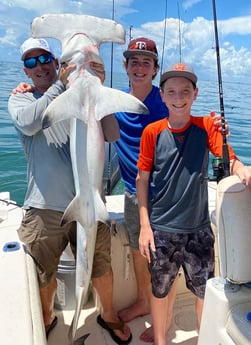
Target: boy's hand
244,174
217,123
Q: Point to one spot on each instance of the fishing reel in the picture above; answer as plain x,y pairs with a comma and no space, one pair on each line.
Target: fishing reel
218,168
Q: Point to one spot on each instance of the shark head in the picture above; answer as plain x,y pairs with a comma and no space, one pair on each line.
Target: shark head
64,26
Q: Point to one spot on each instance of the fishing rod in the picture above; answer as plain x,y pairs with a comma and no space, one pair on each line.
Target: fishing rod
225,153
178,7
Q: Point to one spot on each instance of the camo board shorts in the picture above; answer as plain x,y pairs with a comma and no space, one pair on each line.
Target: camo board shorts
45,240
194,252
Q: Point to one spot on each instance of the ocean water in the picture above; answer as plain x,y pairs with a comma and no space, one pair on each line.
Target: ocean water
237,105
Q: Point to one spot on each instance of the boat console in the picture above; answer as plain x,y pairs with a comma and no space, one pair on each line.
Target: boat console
226,316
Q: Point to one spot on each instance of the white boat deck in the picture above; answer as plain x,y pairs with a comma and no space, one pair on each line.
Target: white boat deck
21,321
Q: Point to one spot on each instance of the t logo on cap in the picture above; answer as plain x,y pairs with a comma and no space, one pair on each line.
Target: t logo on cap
140,45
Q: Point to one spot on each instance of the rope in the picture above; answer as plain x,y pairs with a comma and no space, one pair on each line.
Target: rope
7,202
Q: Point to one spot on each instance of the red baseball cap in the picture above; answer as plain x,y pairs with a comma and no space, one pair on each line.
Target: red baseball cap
143,46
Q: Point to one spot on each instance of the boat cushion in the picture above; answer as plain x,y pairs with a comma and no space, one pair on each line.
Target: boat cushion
233,220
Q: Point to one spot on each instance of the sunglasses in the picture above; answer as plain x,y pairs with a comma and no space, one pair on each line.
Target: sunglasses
43,59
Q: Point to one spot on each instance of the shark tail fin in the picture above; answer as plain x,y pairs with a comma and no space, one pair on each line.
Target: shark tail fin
74,324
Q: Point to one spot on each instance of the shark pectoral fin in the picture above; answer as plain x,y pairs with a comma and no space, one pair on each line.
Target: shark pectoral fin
110,101
63,107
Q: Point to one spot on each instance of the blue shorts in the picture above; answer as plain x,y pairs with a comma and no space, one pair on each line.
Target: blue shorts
194,252
131,215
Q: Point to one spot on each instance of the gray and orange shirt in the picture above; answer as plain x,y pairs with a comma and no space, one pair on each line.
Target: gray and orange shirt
178,162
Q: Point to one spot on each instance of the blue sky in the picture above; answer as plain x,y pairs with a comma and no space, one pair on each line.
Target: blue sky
147,18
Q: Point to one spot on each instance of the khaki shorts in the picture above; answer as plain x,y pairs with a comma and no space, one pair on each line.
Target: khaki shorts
46,239
102,254
132,221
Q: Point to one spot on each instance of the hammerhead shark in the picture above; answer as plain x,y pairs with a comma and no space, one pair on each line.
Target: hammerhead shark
85,103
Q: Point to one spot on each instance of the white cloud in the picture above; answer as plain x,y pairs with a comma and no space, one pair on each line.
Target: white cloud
198,45
190,3
197,36
240,25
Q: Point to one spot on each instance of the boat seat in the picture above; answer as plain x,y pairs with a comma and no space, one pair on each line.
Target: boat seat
233,220
238,324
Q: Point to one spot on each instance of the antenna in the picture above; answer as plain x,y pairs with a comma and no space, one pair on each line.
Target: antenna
164,41
179,30
108,185
130,32
112,48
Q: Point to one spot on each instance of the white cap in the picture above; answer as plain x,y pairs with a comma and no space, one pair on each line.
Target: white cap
34,43
179,70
